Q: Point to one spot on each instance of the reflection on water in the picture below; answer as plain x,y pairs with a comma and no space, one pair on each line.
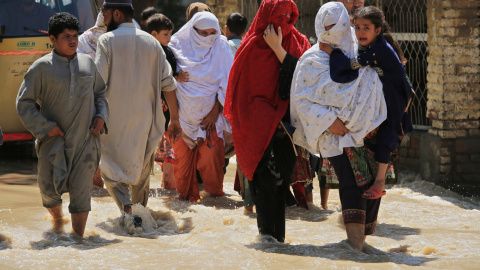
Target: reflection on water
420,224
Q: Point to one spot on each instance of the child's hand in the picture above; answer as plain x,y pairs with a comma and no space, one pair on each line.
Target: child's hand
164,106
97,125
182,76
338,128
209,121
56,131
326,47
174,130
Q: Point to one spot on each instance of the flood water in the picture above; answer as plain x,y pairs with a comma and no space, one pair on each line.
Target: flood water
420,226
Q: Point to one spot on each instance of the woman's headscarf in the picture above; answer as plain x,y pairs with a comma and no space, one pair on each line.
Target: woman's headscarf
208,61
339,36
317,101
253,104
193,8
87,42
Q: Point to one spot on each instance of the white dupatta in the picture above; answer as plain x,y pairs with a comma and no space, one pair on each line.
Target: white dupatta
208,61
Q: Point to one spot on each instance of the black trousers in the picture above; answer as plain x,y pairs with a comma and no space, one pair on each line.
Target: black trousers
355,209
270,185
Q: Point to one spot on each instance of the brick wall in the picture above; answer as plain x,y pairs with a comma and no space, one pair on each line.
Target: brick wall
223,8
453,68
409,152
450,151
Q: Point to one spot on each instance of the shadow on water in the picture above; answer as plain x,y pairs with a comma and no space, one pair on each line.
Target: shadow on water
313,214
18,166
52,240
414,182
5,242
221,202
341,251
173,202
395,231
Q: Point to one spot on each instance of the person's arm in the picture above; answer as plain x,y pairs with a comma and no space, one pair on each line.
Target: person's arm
174,128
28,94
382,171
182,76
287,68
168,86
274,41
101,104
102,58
385,142
369,57
287,61
342,68
209,121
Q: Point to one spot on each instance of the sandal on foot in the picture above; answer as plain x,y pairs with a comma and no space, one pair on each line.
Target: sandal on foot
373,193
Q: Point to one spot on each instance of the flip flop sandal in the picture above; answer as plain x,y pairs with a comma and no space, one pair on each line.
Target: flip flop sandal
376,192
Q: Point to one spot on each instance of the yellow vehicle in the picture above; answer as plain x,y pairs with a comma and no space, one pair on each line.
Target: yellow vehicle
24,39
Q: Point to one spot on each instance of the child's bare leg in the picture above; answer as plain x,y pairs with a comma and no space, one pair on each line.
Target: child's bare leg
309,197
355,234
79,221
324,192
378,188
380,179
57,215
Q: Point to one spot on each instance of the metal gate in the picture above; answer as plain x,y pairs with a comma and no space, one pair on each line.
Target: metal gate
409,24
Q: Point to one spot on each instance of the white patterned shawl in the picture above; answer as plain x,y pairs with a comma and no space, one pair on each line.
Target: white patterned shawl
316,101
87,42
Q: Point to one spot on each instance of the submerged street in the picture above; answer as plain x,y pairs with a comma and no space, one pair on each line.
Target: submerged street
420,225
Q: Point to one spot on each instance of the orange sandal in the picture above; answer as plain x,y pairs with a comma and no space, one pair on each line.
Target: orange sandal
373,193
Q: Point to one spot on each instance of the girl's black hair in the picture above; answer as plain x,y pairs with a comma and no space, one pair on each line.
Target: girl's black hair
376,16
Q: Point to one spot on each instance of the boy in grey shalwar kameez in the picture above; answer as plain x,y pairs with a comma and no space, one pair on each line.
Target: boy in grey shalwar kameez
73,109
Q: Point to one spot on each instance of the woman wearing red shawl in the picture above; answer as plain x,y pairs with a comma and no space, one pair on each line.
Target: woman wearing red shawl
256,104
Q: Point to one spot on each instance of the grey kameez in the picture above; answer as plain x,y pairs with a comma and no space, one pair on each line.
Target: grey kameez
70,94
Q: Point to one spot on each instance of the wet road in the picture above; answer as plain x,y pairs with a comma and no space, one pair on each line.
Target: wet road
420,226
18,165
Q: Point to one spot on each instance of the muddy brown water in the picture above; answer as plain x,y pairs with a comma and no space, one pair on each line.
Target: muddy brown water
420,226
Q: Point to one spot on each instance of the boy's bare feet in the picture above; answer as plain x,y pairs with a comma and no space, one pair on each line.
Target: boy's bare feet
58,225
57,216
248,210
127,209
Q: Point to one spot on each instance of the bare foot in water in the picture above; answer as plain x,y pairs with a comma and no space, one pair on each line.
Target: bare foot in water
58,225
248,210
127,209
58,221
